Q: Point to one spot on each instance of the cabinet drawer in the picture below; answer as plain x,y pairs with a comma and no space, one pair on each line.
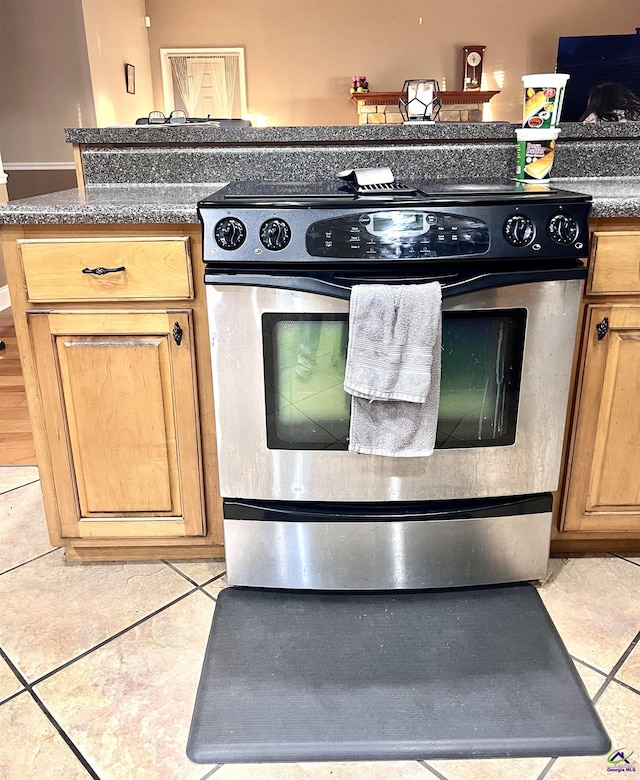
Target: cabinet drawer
58,270
615,263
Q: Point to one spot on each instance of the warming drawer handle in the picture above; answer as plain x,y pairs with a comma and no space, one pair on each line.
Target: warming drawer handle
100,271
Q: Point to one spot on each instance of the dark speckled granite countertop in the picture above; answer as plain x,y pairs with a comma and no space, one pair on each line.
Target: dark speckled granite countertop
176,203
157,174
110,204
469,131
612,197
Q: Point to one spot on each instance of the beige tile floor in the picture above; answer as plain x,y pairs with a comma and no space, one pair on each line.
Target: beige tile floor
99,663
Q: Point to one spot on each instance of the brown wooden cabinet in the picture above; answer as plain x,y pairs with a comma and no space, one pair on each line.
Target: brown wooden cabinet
123,420
603,492
600,506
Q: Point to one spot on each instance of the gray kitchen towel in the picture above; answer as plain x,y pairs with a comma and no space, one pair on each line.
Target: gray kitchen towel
392,334
380,425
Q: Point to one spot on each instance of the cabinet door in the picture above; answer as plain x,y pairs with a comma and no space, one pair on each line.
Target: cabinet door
603,492
119,391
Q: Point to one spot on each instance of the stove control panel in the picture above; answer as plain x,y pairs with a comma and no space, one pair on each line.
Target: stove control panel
399,233
377,233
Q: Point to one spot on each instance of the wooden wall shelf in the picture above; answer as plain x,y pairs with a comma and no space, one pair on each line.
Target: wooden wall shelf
448,98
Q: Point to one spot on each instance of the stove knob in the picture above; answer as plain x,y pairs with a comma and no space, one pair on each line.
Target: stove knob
275,234
519,230
563,229
230,233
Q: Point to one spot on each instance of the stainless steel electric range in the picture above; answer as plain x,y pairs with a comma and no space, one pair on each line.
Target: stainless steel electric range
300,510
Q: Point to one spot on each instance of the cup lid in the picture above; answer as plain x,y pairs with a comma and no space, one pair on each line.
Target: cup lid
529,134
546,79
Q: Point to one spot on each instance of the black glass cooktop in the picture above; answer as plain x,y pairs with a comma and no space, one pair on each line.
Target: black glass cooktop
271,192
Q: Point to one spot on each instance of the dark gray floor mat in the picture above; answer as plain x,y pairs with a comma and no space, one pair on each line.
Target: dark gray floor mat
469,673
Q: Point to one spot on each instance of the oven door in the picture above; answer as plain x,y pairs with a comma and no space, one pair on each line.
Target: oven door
282,416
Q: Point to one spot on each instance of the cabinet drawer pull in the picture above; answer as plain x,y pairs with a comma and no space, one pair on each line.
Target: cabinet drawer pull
602,328
177,333
100,271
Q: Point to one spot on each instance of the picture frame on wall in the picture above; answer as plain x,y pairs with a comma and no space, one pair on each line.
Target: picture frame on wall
130,78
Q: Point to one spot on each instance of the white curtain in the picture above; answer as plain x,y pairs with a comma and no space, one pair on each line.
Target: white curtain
187,74
224,74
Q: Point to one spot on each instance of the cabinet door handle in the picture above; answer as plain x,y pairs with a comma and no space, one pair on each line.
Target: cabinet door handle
602,328
177,333
100,271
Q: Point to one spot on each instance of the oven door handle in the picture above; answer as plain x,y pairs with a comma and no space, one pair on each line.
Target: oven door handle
338,285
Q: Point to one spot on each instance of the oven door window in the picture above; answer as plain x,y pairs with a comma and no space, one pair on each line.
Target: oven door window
304,362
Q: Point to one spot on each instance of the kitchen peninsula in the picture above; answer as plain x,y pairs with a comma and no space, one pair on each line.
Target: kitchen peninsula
139,349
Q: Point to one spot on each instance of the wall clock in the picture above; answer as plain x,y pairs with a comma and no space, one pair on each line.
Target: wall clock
472,62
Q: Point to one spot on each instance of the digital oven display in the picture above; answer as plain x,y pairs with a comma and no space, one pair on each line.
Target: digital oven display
398,223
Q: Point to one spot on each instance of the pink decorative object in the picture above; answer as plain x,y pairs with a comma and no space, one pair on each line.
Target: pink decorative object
359,84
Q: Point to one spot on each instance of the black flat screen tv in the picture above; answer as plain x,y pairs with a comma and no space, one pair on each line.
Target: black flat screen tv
593,59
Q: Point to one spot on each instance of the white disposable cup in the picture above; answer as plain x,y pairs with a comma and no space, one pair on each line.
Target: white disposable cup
543,96
536,152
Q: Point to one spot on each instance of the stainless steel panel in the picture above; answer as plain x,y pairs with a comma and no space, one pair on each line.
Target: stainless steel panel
387,555
248,469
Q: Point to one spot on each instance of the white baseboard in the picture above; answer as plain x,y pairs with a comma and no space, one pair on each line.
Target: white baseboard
5,301
39,166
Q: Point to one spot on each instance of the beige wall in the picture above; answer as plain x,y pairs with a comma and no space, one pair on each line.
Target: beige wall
116,34
45,84
301,54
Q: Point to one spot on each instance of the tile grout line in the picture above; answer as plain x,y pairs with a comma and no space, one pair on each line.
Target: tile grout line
603,685
114,636
546,769
31,560
212,772
186,576
431,769
209,595
587,664
198,586
622,558
13,696
21,678
18,487
117,635
181,573
626,685
616,667
28,688
70,744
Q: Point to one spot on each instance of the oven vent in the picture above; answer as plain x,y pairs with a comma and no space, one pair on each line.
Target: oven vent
385,188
